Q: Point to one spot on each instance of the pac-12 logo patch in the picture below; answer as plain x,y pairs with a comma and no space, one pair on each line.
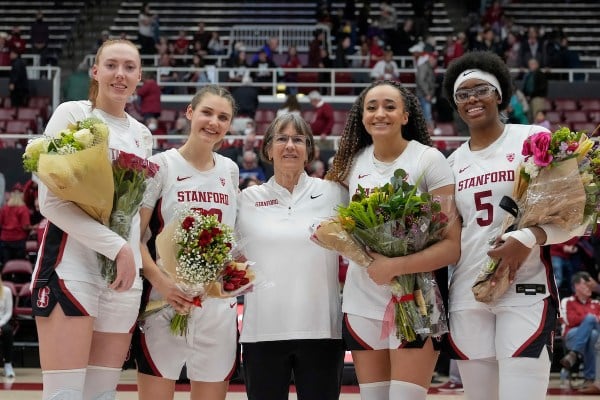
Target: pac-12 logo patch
510,157
43,297
222,181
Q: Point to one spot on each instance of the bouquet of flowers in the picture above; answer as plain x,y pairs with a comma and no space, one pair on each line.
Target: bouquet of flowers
195,250
557,183
74,165
130,174
394,220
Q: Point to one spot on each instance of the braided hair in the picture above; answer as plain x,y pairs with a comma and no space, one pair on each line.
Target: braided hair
355,137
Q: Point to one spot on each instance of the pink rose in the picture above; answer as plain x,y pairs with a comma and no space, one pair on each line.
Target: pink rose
538,145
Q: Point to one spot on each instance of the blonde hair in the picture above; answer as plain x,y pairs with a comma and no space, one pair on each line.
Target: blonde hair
94,86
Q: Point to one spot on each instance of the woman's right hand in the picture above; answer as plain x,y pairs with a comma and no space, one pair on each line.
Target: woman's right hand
173,295
126,270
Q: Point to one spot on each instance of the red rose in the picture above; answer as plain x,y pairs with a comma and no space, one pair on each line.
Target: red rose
205,238
187,223
197,301
229,286
215,231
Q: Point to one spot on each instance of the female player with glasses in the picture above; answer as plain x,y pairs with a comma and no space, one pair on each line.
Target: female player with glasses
504,348
294,324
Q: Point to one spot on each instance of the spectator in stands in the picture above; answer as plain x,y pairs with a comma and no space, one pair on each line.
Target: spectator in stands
454,48
316,169
582,327
95,336
197,74
565,263
342,51
15,225
405,38
104,36
493,17
6,328
4,54
249,167
376,45
385,131
18,82
249,181
322,121
388,20
530,48
540,119
77,84
162,46
246,98
386,68
425,81
290,105
535,87
238,66
487,41
149,97
167,74
292,61
181,128
182,43
2,191
215,45
302,338
16,41
201,35
146,31
325,65
511,48
314,48
40,37
265,68
269,48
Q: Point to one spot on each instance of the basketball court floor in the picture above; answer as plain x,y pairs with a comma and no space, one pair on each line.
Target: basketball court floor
27,386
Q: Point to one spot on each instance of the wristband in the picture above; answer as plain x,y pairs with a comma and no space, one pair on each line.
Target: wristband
525,236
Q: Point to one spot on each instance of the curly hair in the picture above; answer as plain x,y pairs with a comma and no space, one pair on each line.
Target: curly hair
355,137
485,61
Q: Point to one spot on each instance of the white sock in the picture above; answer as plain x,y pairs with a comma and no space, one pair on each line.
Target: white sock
101,383
66,384
375,391
524,377
407,391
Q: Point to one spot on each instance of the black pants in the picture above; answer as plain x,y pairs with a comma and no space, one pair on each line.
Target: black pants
7,341
14,250
317,366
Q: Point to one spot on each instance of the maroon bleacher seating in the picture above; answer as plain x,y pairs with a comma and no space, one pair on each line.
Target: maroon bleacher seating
554,117
18,126
587,127
7,113
589,104
343,77
445,129
565,104
264,116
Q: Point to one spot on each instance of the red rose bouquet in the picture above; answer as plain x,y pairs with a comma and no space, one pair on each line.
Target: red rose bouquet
130,174
557,183
194,250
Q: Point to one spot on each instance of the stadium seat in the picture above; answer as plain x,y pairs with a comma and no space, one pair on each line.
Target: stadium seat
344,78
7,113
589,104
338,128
307,77
168,115
575,116
587,127
263,115
565,104
340,115
18,126
17,271
22,308
444,129
554,117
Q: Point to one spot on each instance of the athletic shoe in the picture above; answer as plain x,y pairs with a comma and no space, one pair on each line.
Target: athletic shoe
9,372
450,387
569,360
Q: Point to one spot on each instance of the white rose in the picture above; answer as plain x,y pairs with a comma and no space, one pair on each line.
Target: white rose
36,147
84,137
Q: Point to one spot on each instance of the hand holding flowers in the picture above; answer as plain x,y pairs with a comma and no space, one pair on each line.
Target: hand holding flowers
557,183
75,167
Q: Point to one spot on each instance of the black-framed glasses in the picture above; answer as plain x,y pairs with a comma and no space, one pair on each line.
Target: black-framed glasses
479,92
297,140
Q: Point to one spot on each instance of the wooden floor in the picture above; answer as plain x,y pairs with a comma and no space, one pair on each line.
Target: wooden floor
27,386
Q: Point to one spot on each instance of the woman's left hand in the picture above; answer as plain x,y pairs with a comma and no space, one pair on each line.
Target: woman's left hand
126,269
380,270
511,254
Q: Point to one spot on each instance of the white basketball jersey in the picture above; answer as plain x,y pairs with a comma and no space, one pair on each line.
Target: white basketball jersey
362,296
482,178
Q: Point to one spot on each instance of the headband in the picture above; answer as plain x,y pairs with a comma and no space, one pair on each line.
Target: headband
477,74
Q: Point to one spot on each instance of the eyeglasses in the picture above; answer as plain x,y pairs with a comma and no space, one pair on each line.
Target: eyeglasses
479,92
297,140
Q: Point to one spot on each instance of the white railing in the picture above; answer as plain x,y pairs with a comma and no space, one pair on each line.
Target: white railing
254,36
51,73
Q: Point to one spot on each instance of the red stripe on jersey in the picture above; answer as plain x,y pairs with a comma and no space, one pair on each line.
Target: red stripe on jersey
147,356
546,259
455,348
536,334
72,298
355,335
230,374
